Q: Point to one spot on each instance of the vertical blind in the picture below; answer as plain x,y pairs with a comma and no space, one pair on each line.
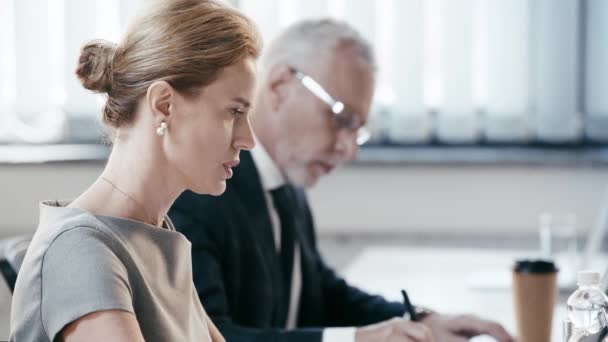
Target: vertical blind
467,71
453,71
39,48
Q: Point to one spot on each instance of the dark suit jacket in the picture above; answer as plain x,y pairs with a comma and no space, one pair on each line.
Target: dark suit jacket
237,270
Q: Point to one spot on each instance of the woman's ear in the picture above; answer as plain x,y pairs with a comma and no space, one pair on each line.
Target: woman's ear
159,97
276,85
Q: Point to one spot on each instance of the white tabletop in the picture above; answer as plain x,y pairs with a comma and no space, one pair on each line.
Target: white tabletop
448,280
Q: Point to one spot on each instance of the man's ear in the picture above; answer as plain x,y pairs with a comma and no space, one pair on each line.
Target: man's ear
276,85
159,97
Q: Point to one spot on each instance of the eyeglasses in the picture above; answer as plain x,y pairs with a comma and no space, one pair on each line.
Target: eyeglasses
344,118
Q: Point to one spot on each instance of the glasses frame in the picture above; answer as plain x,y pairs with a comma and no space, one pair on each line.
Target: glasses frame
344,119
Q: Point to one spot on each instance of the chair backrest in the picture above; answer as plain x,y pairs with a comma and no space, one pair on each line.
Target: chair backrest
8,273
12,252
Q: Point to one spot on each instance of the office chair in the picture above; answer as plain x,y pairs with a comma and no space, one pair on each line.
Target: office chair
12,252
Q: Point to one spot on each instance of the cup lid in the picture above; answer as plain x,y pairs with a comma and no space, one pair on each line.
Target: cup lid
535,266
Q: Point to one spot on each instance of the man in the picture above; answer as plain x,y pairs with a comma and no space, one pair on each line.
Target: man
257,268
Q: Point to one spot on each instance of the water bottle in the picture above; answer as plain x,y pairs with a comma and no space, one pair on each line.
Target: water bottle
587,308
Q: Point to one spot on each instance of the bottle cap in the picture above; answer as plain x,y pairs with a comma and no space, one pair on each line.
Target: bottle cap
584,278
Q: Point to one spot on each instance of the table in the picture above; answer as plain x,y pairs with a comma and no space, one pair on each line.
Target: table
449,280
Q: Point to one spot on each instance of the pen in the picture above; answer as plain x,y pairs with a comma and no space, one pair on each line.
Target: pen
409,307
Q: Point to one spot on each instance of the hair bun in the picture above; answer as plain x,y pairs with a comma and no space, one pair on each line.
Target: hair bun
94,65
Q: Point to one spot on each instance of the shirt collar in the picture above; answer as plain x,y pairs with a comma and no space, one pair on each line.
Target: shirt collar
270,174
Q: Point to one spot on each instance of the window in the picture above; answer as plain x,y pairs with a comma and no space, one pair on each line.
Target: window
471,71
41,100
450,71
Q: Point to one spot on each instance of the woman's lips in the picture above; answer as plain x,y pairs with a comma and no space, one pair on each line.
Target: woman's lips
228,168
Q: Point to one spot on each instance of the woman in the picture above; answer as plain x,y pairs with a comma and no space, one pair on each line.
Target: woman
109,265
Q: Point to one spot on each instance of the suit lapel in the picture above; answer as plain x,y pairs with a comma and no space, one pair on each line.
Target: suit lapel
247,184
249,188
308,308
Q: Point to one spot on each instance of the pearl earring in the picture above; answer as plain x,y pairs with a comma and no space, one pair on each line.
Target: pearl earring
160,131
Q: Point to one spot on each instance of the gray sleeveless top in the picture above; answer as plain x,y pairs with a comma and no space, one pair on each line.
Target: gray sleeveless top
79,263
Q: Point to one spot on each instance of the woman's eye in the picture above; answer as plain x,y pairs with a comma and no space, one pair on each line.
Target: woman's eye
236,112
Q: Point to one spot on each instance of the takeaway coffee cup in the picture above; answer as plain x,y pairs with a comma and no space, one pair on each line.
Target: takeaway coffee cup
534,296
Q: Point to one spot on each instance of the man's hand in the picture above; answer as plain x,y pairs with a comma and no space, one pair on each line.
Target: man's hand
461,328
394,330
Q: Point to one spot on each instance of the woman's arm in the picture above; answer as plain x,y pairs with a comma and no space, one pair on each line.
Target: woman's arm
216,336
108,325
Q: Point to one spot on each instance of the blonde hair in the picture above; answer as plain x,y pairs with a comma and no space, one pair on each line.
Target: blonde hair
184,42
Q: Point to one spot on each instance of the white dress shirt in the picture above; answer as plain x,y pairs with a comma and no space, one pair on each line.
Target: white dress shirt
272,178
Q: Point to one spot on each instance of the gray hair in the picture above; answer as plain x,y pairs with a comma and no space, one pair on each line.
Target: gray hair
309,41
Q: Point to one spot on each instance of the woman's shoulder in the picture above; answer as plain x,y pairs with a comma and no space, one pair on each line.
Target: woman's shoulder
67,243
71,267
61,225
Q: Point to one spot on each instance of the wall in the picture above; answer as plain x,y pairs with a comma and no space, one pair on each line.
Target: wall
485,200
